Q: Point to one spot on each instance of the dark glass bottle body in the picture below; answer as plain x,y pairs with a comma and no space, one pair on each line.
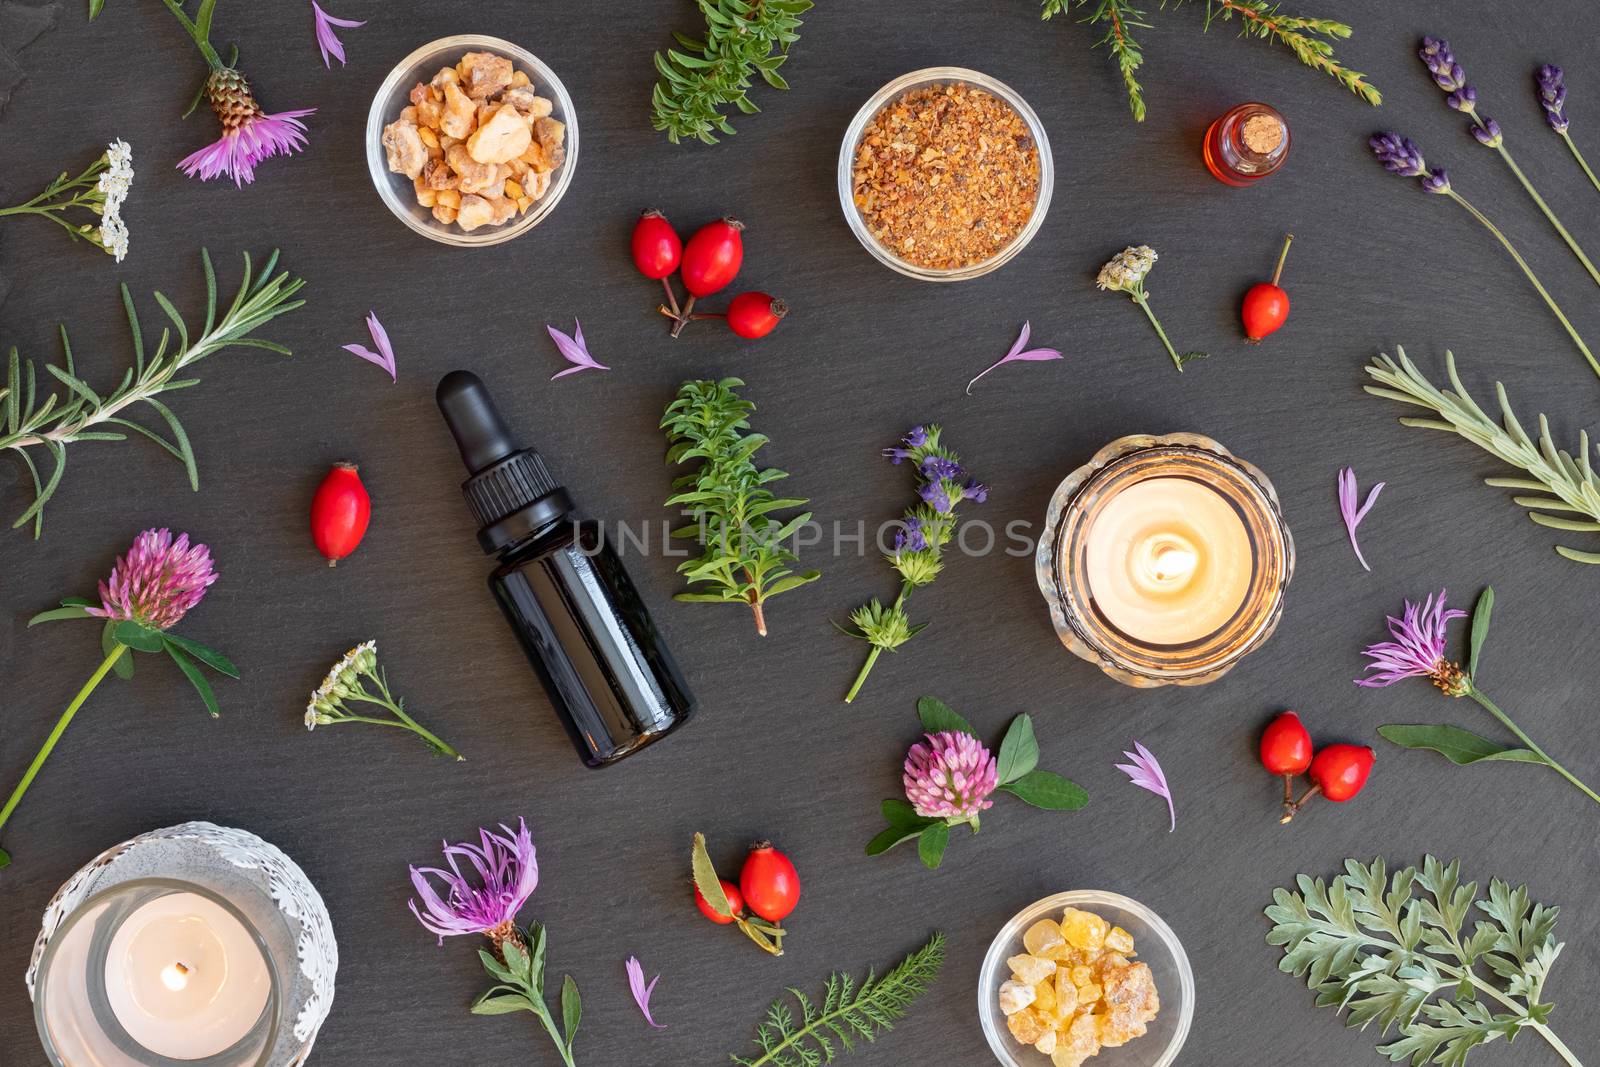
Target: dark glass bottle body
591,639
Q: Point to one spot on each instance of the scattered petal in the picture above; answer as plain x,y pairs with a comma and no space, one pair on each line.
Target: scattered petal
574,351
642,992
1144,771
327,40
1353,514
384,357
1020,351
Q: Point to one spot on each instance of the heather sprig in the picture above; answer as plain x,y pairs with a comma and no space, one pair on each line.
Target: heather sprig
950,776
1416,649
99,190
1449,76
712,73
34,420
746,559
1400,155
1551,84
918,554
158,581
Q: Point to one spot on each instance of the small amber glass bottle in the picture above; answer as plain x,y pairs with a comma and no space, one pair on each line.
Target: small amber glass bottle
1246,144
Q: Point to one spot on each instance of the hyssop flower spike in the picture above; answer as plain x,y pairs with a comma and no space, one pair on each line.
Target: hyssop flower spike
507,872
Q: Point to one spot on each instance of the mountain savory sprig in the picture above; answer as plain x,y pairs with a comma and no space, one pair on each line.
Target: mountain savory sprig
848,1013
1365,943
1310,39
33,419
1569,482
745,560
743,38
928,526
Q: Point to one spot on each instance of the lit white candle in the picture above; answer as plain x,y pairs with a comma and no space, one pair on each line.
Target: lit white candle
185,978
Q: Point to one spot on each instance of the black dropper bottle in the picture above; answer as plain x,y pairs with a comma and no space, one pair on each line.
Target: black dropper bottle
563,589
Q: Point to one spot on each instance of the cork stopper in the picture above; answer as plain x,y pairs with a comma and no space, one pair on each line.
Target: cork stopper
1261,134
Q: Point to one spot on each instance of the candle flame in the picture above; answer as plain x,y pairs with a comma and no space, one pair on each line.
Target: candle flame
1171,564
175,976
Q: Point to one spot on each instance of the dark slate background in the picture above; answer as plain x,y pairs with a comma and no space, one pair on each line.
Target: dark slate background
867,353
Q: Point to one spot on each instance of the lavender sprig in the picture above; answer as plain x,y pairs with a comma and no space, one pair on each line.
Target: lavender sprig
928,526
1400,155
1448,75
1553,98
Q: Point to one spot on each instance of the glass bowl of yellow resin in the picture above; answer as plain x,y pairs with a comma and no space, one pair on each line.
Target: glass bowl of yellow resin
1164,560
1154,944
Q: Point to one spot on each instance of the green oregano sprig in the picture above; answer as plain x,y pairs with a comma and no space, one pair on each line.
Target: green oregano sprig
745,559
847,1014
743,38
33,419
1395,950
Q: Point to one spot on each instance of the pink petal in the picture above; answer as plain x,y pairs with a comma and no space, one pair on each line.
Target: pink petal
380,337
1017,353
574,351
641,991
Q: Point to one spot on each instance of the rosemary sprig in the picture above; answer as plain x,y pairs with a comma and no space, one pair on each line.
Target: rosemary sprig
1568,479
1310,39
745,559
33,419
743,38
1366,944
847,1014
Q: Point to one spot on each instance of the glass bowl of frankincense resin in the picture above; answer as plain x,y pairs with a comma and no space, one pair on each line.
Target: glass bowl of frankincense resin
1086,977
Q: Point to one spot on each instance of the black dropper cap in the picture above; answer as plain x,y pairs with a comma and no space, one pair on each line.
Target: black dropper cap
510,491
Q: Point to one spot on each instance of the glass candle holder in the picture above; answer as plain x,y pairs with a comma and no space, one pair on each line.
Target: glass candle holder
1164,560
1246,144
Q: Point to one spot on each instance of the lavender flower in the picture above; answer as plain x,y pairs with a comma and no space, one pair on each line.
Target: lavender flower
950,777
1437,181
156,582
328,41
1488,134
1417,650
1399,155
507,874
1447,73
1552,97
1463,99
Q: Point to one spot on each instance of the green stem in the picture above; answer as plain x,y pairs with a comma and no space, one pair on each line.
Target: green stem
213,60
1527,270
1584,163
406,722
1544,207
543,1013
117,649
1555,1042
1505,720
1144,303
872,657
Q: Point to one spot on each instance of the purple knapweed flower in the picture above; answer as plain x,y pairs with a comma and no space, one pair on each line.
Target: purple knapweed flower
1447,73
249,134
507,874
950,777
157,582
1552,96
1399,155
1417,650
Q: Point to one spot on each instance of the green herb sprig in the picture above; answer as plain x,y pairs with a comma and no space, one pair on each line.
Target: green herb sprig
1395,950
1568,481
34,419
745,559
1310,39
847,1014
743,38
521,988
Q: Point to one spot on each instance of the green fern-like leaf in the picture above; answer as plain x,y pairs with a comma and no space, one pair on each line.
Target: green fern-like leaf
706,76
848,1013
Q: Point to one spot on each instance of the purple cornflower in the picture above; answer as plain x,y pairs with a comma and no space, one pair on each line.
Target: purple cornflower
950,777
1552,96
911,538
157,582
1399,155
1488,134
914,439
508,872
1447,73
934,496
328,41
940,467
249,134
975,492
1417,650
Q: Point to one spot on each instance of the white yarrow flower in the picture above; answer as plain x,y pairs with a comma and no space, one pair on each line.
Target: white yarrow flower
1127,269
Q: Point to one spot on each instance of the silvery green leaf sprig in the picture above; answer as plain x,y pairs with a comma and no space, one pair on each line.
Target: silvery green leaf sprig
708,74
1395,950
42,420
1561,484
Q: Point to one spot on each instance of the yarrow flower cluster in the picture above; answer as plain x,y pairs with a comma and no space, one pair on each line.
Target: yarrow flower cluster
1125,273
101,188
331,701
950,777
157,581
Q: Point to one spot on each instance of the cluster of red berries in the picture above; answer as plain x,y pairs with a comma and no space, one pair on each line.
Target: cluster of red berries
769,887
708,263
1338,772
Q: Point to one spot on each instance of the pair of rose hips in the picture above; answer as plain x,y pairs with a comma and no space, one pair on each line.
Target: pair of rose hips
708,263
1338,772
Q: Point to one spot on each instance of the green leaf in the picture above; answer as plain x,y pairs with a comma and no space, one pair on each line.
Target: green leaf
502,1005
198,680
901,813
937,718
495,968
571,1009
78,601
1480,629
1019,752
95,7
538,945
135,635
1461,747
1044,789
705,878
210,657
180,440
517,961
891,836
108,641
72,611
931,844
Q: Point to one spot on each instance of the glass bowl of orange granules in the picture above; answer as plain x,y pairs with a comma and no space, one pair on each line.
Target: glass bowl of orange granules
945,174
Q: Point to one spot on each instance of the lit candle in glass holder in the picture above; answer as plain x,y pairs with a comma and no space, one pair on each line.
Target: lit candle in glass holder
1164,560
